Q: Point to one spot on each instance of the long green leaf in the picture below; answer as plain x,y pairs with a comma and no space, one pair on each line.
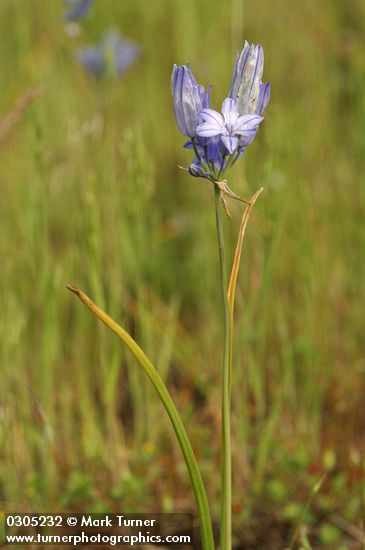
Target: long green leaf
155,378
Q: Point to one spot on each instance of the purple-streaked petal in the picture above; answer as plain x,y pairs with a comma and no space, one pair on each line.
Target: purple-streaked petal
189,99
206,98
209,129
230,113
177,91
214,150
191,102
209,115
229,108
247,136
238,69
247,122
221,163
264,97
174,76
190,76
231,143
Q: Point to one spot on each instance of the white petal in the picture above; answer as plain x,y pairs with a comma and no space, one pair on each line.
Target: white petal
231,143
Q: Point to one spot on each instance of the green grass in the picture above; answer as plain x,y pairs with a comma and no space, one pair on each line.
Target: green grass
91,194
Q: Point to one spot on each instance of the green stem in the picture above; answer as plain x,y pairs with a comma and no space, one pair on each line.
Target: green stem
226,479
190,460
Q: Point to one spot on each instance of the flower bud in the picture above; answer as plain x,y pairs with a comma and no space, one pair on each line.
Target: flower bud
196,170
189,99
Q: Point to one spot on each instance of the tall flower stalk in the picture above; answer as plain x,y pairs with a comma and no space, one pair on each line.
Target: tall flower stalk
226,470
218,141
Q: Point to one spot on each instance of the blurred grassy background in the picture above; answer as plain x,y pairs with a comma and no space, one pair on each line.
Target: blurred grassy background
91,194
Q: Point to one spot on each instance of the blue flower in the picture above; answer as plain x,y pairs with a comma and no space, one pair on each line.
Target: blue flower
234,130
77,9
209,152
123,53
111,53
247,89
219,140
189,99
92,58
196,169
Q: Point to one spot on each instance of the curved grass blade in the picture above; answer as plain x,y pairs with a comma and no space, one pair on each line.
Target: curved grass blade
190,460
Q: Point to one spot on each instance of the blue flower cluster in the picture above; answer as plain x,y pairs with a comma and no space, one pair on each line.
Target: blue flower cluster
111,54
77,9
220,139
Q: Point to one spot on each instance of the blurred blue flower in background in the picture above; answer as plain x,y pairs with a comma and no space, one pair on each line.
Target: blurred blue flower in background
219,140
112,55
77,9
92,58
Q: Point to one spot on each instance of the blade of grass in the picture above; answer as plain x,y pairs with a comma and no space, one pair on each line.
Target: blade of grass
151,372
314,492
8,122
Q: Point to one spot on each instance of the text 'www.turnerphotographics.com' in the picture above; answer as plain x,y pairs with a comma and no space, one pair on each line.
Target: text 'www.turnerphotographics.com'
87,529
